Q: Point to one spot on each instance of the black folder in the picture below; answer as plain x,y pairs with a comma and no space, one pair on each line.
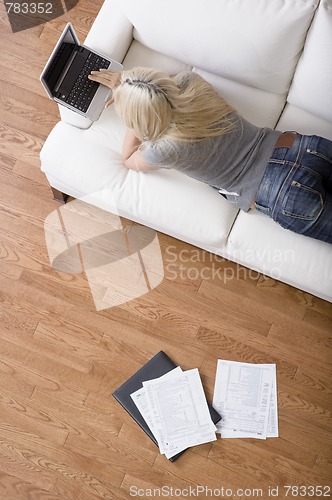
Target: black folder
155,368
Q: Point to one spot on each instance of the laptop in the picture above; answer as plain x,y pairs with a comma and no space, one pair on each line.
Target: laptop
65,76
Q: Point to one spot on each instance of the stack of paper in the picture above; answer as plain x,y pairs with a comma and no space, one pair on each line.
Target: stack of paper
175,409
246,396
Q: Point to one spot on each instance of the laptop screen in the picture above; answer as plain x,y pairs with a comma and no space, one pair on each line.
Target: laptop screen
59,60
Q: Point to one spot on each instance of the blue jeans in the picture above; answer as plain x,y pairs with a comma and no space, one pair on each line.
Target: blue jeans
296,189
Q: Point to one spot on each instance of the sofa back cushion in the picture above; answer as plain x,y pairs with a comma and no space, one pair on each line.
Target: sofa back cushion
311,88
253,42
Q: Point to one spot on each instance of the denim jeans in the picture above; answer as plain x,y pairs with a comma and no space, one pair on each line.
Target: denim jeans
296,189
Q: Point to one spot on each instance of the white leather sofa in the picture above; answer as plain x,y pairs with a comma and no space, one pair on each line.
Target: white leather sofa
272,60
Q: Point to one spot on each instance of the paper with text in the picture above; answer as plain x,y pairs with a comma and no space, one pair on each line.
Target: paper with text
140,399
245,396
273,428
179,411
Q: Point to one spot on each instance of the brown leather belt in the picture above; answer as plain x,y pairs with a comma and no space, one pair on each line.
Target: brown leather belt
286,140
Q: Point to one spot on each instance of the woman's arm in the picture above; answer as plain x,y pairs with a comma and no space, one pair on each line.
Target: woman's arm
130,144
132,156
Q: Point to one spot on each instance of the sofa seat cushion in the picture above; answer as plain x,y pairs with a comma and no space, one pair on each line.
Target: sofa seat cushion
294,118
261,244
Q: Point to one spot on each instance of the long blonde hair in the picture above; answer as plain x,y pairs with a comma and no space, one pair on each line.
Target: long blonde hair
183,107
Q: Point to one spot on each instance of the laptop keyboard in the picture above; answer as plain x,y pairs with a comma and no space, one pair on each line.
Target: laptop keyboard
83,91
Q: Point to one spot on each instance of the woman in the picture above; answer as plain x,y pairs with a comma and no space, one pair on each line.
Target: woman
181,122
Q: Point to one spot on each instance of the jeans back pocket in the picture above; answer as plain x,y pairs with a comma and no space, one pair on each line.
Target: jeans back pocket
302,202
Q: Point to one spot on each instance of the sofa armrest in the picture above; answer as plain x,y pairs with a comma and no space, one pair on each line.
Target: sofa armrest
111,34
74,119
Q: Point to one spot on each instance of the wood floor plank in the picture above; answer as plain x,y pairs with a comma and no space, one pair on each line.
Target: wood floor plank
54,310
20,226
12,463
25,117
300,340
71,412
15,142
15,78
7,161
319,381
26,97
71,288
8,265
31,172
22,380
323,466
69,490
17,258
49,460
20,352
225,298
30,51
71,349
281,470
13,487
135,484
197,471
288,293
16,413
230,347
306,435
13,382
194,306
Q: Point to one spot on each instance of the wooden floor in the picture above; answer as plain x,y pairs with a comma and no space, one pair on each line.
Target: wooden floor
62,435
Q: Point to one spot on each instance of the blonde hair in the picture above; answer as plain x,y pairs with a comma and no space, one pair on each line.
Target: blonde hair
183,107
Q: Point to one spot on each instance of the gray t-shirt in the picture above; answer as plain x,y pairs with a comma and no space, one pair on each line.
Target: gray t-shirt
234,163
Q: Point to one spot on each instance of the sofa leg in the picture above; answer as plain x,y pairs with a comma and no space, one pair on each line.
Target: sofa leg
59,196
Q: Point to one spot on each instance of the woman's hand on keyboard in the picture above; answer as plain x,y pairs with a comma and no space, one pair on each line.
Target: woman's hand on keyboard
111,79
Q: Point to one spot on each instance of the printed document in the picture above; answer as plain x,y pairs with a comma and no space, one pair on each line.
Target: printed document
176,411
245,395
141,402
